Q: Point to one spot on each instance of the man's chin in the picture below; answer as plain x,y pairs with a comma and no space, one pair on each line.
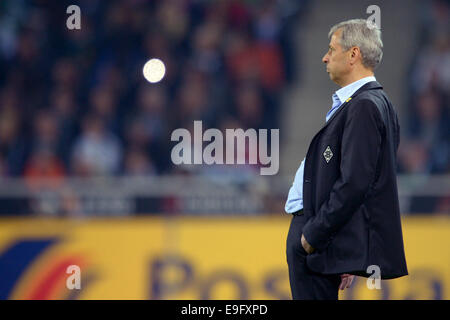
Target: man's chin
333,78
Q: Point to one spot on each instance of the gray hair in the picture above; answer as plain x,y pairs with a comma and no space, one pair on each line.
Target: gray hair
363,34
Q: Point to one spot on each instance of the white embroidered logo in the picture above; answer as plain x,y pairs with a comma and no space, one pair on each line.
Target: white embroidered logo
328,154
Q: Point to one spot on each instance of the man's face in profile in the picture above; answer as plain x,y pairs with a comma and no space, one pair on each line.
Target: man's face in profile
336,59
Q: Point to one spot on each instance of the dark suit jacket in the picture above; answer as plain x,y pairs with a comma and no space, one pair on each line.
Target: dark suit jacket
350,194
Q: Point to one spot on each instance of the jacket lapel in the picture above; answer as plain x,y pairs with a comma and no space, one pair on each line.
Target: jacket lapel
368,86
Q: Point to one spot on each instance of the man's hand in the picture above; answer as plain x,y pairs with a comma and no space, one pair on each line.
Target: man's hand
346,281
307,246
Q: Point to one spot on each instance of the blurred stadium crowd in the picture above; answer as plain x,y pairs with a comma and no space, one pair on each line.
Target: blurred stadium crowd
74,102
426,138
425,141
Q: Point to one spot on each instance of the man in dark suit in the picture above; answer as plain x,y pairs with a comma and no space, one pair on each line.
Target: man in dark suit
344,198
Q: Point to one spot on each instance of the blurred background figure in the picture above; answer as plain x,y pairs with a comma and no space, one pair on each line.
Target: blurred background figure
97,151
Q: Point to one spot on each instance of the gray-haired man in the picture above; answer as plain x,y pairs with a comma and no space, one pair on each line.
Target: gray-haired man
344,197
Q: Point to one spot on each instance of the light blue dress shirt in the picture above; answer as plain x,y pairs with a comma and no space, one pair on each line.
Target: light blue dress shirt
294,201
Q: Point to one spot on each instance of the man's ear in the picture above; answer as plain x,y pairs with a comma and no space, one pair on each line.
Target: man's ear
355,54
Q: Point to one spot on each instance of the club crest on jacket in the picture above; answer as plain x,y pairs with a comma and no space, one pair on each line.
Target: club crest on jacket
328,154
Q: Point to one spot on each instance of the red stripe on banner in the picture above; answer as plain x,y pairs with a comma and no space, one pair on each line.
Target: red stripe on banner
53,280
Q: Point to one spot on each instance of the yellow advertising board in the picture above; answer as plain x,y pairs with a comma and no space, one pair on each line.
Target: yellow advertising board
190,258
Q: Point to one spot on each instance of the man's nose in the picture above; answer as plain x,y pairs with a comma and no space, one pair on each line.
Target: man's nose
325,58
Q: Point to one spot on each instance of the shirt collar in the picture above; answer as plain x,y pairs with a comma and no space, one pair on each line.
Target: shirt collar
346,92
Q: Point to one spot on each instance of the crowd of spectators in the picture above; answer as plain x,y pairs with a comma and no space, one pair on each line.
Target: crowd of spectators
425,146
75,103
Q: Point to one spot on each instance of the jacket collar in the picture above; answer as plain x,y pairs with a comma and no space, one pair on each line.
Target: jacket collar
373,85
346,92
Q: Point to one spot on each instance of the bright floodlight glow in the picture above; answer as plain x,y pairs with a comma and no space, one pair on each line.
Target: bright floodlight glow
154,70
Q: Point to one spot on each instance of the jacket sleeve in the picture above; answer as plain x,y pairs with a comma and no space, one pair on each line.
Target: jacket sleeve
360,148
